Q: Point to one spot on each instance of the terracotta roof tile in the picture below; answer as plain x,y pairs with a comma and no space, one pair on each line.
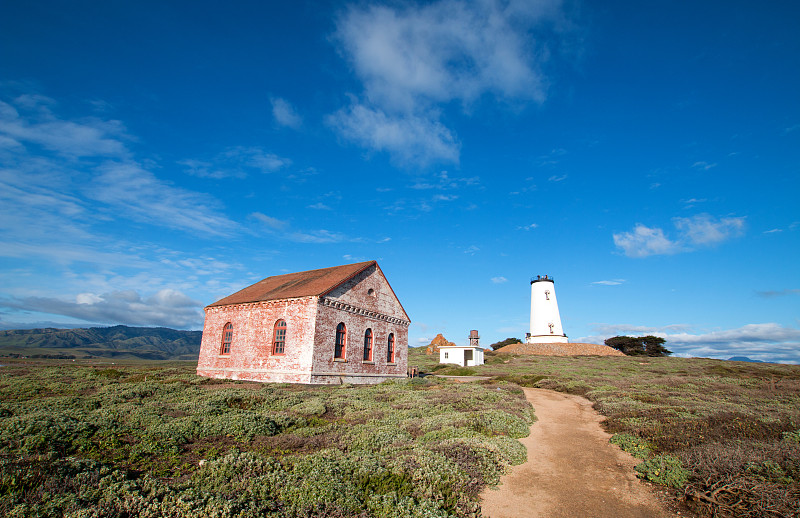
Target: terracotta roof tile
294,285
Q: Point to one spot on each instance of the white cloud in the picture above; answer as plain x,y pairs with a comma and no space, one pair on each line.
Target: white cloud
269,221
413,58
645,241
556,178
692,201
499,280
778,293
773,231
704,166
614,282
702,230
766,342
447,50
471,250
528,227
137,194
167,307
444,181
236,162
410,139
285,114
319,206
254,158
318,236
37,125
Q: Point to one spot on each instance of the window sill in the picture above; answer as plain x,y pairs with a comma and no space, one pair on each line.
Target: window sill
340,360
368,362
278,354
223,356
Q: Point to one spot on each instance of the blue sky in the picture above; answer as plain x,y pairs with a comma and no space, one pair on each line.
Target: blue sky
157,156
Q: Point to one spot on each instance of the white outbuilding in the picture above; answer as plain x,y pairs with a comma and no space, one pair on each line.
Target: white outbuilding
465,355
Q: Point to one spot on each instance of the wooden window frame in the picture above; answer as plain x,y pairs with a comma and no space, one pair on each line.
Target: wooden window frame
340,344
227,339
279,337
390,348
369,342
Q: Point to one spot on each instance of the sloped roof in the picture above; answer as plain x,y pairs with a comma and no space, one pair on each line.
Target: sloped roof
294,285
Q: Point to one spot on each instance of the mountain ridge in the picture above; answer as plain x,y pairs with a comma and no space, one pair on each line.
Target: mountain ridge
149,343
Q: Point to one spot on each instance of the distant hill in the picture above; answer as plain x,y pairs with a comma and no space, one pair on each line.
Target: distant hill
148,343
743,359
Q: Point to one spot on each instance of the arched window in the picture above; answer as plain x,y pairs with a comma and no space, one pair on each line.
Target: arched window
341,341
227,338
279,337
368,345
390,349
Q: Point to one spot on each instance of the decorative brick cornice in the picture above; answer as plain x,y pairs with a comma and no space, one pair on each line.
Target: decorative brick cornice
343,306
262,303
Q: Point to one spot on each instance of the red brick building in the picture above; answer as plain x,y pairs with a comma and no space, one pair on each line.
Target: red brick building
335,325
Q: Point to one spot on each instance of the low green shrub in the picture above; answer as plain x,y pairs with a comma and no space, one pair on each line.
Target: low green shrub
792,436
665,470
631,444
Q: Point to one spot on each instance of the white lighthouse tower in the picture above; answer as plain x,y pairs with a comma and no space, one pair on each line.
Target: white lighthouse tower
545,319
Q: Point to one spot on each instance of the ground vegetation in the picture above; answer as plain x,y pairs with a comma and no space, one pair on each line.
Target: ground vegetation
723,436
156,440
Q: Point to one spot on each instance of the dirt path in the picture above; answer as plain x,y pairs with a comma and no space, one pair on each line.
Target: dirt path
572,470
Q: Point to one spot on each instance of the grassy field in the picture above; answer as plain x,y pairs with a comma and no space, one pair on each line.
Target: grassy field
153,439
725,435
156,440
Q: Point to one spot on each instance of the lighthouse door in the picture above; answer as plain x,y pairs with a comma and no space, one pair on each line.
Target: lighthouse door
467,357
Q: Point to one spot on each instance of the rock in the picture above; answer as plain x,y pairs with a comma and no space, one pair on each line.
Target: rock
436,343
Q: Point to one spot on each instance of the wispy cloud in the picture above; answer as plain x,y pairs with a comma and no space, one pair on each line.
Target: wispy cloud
445,181
499,280
167,307
318,236
135,193
408,138
702,230
773,231
528,227
790,129
645,241
557,178
766,342
693,201
269,221
703,166
319,206
235,162
413,58
613,282
778,293
285,114
445,197
28,121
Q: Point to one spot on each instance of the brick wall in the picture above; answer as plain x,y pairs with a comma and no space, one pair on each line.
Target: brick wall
251,355
366,301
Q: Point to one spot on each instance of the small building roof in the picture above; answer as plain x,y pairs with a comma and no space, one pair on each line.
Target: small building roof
295,285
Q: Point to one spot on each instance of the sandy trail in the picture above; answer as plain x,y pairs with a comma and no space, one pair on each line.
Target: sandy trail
572,470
